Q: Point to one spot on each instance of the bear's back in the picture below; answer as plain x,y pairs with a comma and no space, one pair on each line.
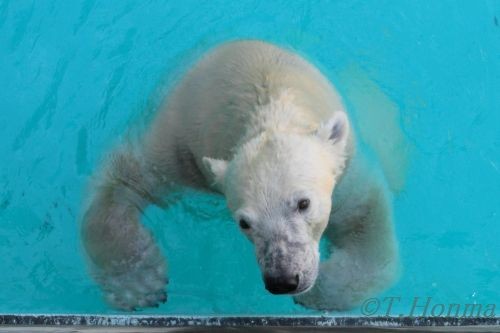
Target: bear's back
206,114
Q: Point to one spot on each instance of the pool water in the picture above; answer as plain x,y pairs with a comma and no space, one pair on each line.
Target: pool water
76,75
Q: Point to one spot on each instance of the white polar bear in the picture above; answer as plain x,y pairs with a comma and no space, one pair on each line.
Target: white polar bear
265,128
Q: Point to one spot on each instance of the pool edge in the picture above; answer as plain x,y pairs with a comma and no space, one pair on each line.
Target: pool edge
160,321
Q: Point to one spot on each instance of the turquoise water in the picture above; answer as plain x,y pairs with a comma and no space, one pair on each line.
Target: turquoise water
75,75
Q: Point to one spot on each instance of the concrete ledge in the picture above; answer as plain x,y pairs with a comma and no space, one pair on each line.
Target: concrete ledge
144,323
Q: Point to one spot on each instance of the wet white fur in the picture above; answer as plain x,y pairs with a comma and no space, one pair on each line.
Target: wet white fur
265,128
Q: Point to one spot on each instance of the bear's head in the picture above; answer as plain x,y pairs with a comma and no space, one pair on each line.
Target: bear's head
279,188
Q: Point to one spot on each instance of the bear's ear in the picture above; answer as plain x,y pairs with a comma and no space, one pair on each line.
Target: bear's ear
335,130
217,168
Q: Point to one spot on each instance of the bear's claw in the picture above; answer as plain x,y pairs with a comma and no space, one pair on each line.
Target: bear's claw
140,286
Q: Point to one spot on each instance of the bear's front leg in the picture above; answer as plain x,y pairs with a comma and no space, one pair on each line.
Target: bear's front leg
125,260
364,254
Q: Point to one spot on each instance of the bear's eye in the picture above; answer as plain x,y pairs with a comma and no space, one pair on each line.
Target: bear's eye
244,224
303,204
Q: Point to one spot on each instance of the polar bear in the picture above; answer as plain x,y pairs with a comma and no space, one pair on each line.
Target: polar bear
262,126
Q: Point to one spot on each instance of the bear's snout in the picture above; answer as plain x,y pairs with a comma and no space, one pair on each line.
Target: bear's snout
288,267
282,284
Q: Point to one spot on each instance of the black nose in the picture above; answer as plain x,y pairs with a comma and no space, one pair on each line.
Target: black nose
281,284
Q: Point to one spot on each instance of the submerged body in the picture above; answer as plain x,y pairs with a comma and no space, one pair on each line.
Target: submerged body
265,128
223,102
